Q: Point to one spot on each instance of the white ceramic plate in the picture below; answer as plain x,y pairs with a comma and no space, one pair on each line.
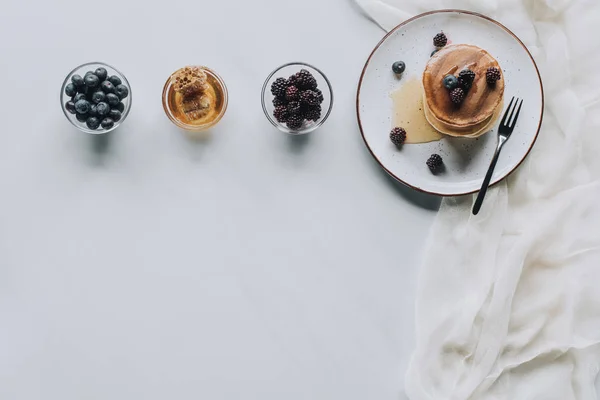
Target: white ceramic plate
466,160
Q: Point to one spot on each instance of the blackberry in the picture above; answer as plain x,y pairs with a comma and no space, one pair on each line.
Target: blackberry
305,80
440,40
309,97
319,95
435,162
457,95
277,102
291,81
278,87
466,78
281,114
292,93
398,136
312,113
293,107
492,75
294,122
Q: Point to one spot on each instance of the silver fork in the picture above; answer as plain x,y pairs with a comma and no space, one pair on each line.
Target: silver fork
504,131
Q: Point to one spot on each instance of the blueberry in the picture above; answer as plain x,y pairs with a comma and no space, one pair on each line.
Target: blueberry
122,91
77,80
112,99
91,80
433,52
82,107
70,107
92,123
115,115
78,96
107,87
120,107
107,123
450,82
70,89
398,67
102,109
101,73
115,80
98,97
93,110
81,117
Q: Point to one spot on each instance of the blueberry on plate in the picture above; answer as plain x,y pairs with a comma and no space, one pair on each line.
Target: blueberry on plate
115,80
398,67
115,115
122,91
78,96
77,80
71,89
82,107
91,81
102,109
120,107
112,99
92,122
93,110
107,123
450,81
98,97
82,117
101,73
107,87
70,107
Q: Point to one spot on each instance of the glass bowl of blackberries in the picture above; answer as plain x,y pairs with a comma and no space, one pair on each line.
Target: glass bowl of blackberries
297,98
95,97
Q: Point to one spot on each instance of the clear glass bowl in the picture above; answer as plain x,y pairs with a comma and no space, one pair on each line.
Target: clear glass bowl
81,70
286,71
222,99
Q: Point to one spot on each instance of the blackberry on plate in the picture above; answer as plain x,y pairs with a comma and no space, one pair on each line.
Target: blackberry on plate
70,107
457,95
107,87
278,102
492,75
77,80
292,93
122,91
309,97
278,87
112,99
115,80
312,113
98,97
450,82
101,73
71,90
281,113
92,123
82,107
305,80
107,123
294,122
398,136
293,107
102,109
440,40
398,67
115,115
435,162
466,78
91,80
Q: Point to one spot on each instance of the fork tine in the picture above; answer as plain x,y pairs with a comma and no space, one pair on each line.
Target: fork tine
507,112
514,121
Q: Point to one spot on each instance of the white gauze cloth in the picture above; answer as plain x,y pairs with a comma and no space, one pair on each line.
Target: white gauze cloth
508,302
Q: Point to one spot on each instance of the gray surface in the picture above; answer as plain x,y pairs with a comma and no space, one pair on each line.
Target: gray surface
144,265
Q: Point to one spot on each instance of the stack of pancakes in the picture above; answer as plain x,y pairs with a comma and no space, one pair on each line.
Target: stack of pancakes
482,104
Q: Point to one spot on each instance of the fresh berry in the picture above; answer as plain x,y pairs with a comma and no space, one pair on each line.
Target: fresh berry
440,40
278,102
120,107
91,80
77,80
101,73
398,67
107,87
492,75
281,114
115,115
293,107
115,80
435,162
398,136
309,97
291,81
81,117
82,107
278,87
433,52
71,90
466,78
312,113
92,123
78,96
319,95
294,122
107,123
450,82
98,97
457,95
93,110
102,109
292,93
112,99
122,91
305,80
70,107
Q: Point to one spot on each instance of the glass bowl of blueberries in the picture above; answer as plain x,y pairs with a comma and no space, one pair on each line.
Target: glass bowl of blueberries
95,97
297,98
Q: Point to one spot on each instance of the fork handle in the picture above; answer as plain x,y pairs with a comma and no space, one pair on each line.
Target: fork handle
486,181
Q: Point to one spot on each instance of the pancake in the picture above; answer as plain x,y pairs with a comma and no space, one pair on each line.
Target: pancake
480,108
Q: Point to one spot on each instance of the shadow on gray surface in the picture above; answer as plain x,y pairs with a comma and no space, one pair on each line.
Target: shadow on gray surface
297,143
